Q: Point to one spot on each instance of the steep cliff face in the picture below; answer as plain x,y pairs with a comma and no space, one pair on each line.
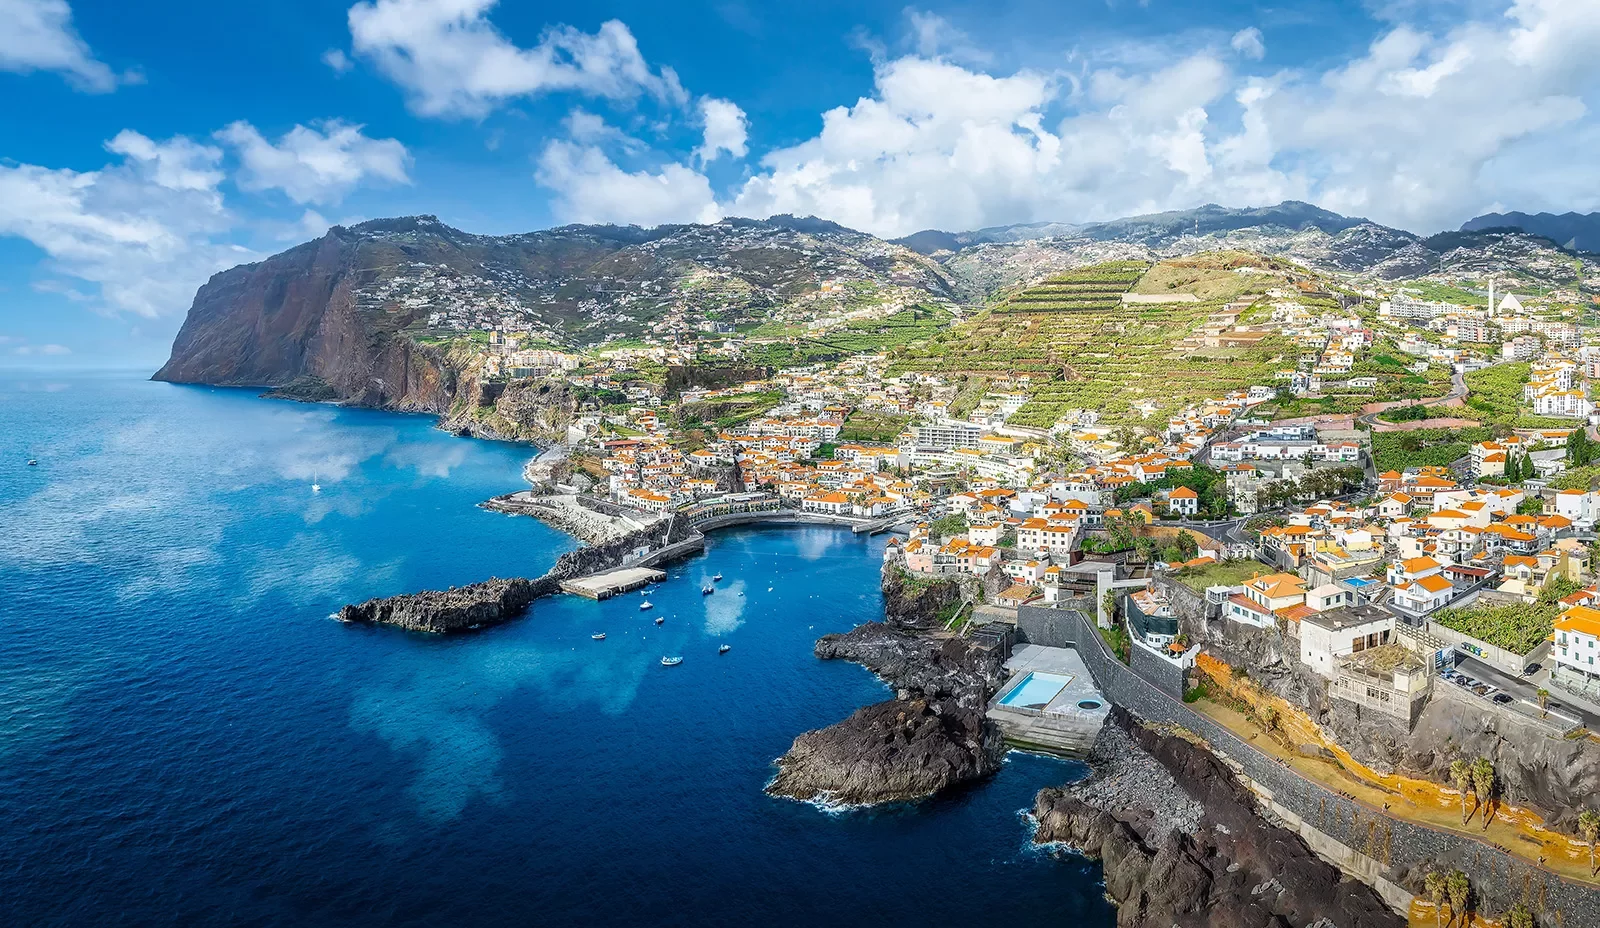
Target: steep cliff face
294,319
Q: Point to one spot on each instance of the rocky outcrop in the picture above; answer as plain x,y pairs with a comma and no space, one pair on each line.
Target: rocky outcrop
531,410
928,667
914,603
1228,868
456,609
894,751
494,601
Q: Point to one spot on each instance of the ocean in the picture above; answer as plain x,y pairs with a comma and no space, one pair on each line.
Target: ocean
186,737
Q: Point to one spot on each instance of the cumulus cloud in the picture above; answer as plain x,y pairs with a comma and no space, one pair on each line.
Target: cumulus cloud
726,129
38,36
48,350
453,62
337,60
315,165
1248,42
589,187
147,229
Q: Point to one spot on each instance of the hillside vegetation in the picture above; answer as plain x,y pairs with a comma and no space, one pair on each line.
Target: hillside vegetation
1084,349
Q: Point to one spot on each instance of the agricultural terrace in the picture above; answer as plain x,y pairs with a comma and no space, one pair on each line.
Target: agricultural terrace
876,427
1515,628
1085,349
1424,447
1494,395
861,336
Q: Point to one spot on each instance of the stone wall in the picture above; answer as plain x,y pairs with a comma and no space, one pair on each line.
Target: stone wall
1400,850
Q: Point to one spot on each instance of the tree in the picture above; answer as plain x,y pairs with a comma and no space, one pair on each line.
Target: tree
1434,883
1580,448
1483,784
1589,825
1520,916
1187,546
1544,700
1461,773
1459,889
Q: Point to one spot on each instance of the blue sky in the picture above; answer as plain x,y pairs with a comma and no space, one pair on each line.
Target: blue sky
149,145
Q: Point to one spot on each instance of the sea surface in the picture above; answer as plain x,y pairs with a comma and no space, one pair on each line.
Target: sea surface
186,738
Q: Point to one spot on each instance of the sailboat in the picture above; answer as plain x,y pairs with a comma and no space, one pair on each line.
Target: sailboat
315,486
646,605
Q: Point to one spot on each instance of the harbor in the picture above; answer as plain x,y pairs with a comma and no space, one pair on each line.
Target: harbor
609,584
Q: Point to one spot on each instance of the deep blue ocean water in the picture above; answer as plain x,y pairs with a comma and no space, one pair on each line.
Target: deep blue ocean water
186,738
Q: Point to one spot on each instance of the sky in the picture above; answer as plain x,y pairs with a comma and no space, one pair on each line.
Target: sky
147,146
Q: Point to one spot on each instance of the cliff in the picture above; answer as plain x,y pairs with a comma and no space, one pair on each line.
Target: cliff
915,666
294,319
914,603
1181,844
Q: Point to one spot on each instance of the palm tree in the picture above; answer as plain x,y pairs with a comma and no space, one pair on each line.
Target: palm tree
1520,916
1544,700
1459,889
1461,773
1483,785
1434,883
1589,824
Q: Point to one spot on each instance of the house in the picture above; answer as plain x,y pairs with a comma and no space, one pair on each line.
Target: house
1325,637
1412,569
1423,595
1183,501
834,503
1264,598
1577,644
648,500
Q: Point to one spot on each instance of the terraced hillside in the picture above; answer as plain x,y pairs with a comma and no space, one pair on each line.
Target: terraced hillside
1083,348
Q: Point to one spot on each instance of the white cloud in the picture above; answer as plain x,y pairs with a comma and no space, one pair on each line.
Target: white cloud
315,165
337,60
726,129
933,36
146,229
53,350
1248,42
454,62
590,187
38,36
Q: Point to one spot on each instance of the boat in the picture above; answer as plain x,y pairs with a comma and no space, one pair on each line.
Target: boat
707,590
724,649
671,661
316,488
717,579
598,636
645,605
660,619
32,463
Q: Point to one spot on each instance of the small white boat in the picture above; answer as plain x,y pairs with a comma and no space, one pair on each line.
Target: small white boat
707,590
660,619
316,488
32,463
645,605
724,649
717,579
598,636
671,661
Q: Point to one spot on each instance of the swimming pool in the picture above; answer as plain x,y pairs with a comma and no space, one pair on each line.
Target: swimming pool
1036,690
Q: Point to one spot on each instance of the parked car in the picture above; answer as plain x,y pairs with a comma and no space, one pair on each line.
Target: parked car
1531,669
1502,698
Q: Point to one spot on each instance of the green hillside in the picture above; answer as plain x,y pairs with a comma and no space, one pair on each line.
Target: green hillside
1085,349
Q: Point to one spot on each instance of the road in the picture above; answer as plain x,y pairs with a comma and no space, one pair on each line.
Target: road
1526,690
1458,391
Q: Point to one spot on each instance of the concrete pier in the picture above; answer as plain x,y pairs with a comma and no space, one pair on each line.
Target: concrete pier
610,583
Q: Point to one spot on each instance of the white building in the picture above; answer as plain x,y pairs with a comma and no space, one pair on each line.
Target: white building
1327,636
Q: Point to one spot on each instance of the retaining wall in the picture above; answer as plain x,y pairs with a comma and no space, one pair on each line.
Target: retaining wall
1389,846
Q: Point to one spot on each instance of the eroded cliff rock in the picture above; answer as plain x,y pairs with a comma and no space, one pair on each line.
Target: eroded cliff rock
439,611
893,751
918,666
916,603
1229,868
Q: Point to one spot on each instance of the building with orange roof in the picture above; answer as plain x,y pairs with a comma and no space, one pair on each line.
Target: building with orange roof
1183,501
1576,647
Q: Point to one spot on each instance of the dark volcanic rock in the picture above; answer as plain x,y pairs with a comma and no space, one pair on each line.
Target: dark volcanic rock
455,609
915,666
893,751
1235,869
915,604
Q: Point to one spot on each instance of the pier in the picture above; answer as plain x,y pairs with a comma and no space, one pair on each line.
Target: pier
612,582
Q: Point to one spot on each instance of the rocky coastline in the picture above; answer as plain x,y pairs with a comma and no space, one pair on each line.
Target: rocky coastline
494,601
1183,843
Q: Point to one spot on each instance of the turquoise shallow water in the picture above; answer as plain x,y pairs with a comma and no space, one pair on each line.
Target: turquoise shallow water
186,738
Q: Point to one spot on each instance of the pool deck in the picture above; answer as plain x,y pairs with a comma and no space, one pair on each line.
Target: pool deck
1062,727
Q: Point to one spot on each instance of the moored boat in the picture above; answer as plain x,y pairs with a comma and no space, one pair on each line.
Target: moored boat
671,661
723,649
660,619
717,579
707,590
598,636
645,605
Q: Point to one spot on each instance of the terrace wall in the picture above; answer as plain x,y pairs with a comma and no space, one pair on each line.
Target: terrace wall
1361,839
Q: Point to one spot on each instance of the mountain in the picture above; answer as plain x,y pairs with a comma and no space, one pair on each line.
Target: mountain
1574,231
368,313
